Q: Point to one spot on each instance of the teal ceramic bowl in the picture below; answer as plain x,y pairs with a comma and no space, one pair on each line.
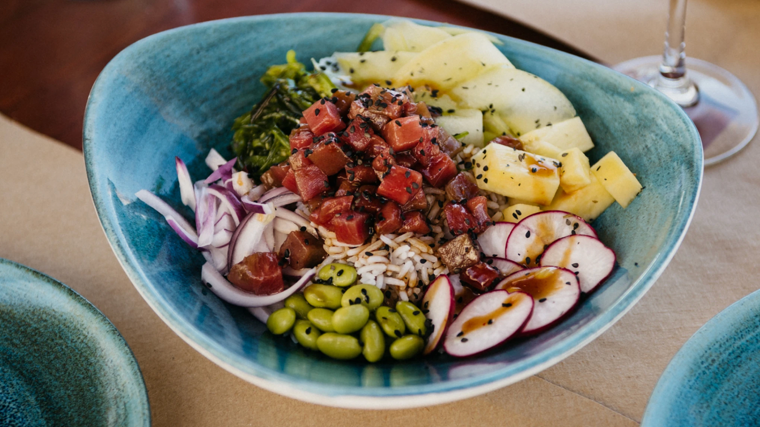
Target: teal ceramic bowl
714,380
176,94
62,363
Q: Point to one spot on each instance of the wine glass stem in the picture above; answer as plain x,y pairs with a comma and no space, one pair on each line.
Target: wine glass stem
672,80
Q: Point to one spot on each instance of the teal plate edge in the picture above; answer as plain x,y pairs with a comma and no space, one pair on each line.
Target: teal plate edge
411,396
104,337
714,379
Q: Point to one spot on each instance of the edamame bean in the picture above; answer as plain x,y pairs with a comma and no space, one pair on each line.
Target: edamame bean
341,274
413,317
390,321
368,295
407,347
350,319
322,319
373,340
323,296
298,303
339,346
306,334
281,320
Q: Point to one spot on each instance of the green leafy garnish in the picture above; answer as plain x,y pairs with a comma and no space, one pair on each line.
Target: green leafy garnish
375,31
261,135
460,136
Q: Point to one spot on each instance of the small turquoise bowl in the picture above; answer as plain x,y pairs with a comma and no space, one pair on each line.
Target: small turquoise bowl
62,362
714,380
176,94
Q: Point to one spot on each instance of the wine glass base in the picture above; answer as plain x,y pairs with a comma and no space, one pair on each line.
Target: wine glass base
726,113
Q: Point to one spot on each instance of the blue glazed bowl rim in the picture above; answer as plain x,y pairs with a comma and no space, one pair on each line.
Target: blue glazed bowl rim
388,398
107,331
663,402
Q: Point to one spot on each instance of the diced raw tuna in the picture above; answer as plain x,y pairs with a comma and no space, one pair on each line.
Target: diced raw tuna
302,250
329,208
481,276
416,203
403,133
301,137
389,219
323,116
351,227
275,175
259,273
400,184
289,181
358,135
311,182
459,220
462,188
440,170
415,222
406,160
478,208
366,200
361,174
329,157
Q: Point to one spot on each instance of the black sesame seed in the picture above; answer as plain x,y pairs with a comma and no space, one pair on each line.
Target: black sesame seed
527,260
460,334
415,313
490,321
527,235
316,112
464,339
480,175
542,300
340,272
509,304
575,265
486,180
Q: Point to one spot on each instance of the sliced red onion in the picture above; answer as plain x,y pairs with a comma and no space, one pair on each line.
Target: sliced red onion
230,201
271,194
279,239
175,220
269,238
293,217
214,160
256,192
262,313
227,292
223,172
249,237
190,239
224,221
285,226
254,207
222,238
216,257
228,185
284,199
205,217
289,271
186,191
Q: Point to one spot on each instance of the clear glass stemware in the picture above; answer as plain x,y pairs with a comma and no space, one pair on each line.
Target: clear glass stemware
720,105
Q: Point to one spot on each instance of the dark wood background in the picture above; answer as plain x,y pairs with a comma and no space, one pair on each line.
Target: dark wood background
51,51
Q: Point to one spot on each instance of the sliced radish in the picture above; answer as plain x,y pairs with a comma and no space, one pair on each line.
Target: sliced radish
555,292
488,321
585,256
462,294
438,306
493,241
505,266
536,232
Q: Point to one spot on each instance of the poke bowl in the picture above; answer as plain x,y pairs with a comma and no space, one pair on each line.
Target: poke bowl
177,93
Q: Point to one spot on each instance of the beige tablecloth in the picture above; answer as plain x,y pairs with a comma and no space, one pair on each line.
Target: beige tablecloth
47,222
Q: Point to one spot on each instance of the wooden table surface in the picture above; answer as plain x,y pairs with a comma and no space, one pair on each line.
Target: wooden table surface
51,51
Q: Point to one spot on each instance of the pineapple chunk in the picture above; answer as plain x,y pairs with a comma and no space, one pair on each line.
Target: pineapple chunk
616,178
464,120
588,203
372,67
517,212
563,135
543,148
574,173
405,35
515,173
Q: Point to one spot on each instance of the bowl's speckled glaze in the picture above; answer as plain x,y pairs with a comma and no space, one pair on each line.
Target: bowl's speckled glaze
62,362
176,94
714,380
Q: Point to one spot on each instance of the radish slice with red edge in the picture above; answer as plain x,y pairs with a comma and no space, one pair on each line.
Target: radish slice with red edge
249,238
493,241
534,233
228,292
175,220
438,306
186,191
263,313
223,172
585,256
488,321
555,292
505,266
